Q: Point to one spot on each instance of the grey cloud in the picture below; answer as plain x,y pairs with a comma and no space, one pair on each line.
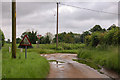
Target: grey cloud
40,16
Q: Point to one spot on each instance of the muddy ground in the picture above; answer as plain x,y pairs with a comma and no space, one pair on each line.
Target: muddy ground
62,66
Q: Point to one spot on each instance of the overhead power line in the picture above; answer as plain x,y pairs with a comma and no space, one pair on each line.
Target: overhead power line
89,9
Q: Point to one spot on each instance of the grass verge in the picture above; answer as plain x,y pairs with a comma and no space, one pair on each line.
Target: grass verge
34,66
107,58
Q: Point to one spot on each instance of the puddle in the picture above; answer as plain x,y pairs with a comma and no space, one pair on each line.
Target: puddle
63,66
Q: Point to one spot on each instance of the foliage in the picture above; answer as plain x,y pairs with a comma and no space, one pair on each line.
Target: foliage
95,39
18,40
107,57
44,40
8,41
2,38
109,37
31,35
35,66
112,27
82,37
96,28
68,37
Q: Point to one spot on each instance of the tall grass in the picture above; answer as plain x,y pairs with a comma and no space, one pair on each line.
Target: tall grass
0,64
107,58
34,66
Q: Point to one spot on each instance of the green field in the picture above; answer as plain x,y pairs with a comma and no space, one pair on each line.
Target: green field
0,64
34,66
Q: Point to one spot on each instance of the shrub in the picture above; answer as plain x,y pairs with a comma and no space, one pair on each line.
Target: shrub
109,37
88,39
2,38
66,46
95,39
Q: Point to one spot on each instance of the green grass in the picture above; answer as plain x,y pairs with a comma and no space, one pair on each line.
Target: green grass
107,57
51,48
0,64
89,63
34,66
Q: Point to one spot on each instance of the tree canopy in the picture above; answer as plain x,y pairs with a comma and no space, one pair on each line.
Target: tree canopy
2,38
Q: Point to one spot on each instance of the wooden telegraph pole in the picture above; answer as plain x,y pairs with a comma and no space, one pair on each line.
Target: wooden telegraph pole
57,27
14,29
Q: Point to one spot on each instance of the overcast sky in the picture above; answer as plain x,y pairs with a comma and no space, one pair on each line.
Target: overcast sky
41,17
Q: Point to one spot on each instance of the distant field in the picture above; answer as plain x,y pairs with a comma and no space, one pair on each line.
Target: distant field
34,66
62,48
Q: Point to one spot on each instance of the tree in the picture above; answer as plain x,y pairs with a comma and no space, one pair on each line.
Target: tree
31,35
96,28
47,40
60,37
69,38
82,37
18,40
77,38
50,36
8,41
112,27
2,38
87,39
95,39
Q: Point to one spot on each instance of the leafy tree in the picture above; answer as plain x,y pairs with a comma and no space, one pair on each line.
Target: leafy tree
87,39
108,38
96,28
41,40
77,38
31,35
8,41
49,36
95,39
69,38
82,37
47,39
112,26
60,37
18,40
2,38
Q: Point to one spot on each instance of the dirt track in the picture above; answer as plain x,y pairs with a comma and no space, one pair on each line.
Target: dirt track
65,67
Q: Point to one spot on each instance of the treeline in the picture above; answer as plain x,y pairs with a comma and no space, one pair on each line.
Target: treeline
99,36
93,37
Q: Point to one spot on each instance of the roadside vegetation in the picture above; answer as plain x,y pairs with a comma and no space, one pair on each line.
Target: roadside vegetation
96,47
34,66
107,58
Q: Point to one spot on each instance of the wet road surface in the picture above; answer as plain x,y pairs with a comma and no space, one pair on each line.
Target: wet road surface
65,67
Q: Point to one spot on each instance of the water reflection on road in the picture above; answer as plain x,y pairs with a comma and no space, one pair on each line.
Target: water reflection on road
63,66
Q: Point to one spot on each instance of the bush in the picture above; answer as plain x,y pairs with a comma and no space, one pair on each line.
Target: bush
66,46
108,38
2,38
116,37
88,39
95,39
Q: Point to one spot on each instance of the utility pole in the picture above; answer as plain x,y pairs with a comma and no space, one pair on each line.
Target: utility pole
13,28
57,27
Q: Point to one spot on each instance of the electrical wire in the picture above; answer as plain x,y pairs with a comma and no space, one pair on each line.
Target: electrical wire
89,9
